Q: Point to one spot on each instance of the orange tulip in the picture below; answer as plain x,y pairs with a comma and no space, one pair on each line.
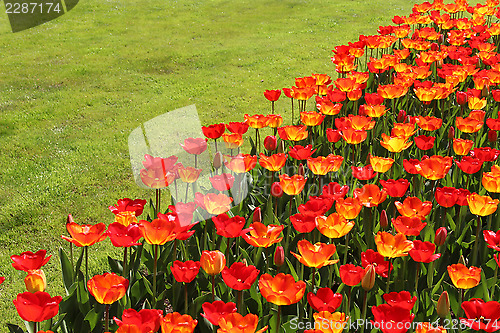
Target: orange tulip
429,123
212,262
414,207
434,167
333,225
274,120
329,108
403,129
353,137
125,218
35,281
188,174
463,277
311,118
232,140
375,111
216,204
329,322
241,163
293,133
261,235
395,144
392,246
370,195
107,288
315,255
177,323
462,146
491,180
381,164
476,103
236,323
348,207
274,162
292,185
360,122
160,230
322,165
468,125
391,91
282,289
256,121
86,234
482,205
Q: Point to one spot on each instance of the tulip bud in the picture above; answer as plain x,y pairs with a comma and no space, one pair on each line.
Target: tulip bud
435,47
440,237
218,160
451,133
368,280
276,190
70,219
443,305
492,136
301,171
461,97
257,216
270,142
362,110
401,116
281,147
279,256
384,221
35,281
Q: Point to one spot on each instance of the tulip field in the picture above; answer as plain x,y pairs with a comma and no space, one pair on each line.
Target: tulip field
371,206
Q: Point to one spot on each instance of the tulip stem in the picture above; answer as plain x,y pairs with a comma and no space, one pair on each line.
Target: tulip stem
86,250
158,199
185,298
388,277
278,319
213,288
155,264
495,276
313,280
476,241
348,309
124,268
106,318
346,247
239,301
363,314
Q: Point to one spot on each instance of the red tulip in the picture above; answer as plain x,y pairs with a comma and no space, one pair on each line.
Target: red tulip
316,206
214,131
213,312
363,173
386,313
481,315
423,252
492,239
128,205
124,236
395,188
146,320
37,307
440,236
194,146
424,142
185,271
272,95
324,300
29,261
402,299
222,182
469,164
351,275
229,227
303,223
370,257
485,154
446,196
301,153
240,276
239,128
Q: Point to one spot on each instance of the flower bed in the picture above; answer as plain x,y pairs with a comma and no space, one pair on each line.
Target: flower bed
375,209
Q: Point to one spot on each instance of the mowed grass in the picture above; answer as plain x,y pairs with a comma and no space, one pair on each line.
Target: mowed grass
73,89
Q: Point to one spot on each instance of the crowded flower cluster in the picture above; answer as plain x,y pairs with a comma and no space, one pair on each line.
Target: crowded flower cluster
378,202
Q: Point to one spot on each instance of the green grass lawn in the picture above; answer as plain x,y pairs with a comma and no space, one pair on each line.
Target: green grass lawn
73,89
